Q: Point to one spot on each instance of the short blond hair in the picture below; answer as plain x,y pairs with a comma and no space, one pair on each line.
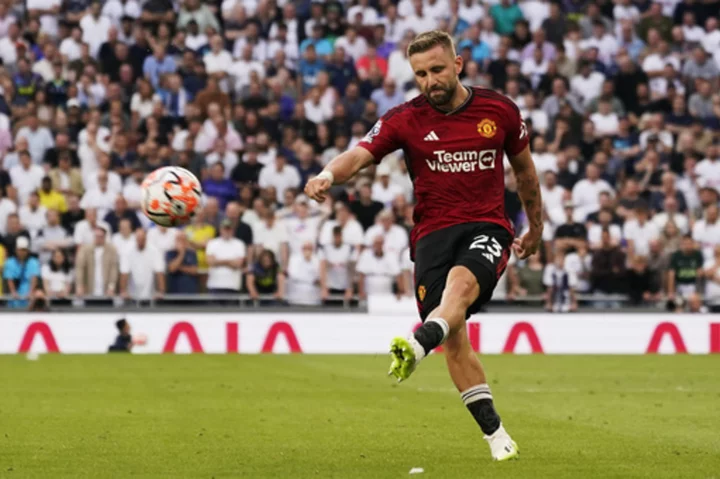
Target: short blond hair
427,40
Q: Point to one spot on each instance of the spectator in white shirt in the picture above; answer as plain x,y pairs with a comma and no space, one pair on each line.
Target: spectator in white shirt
707,231
639,232
596,229
336,266
280,175
39,138
585,193
33,215
57,275
226,259
301,228
123,240
378,271
100,198
605,120
303,284
351,230
162,237
85,229
220,153
671,213
383,190
552,193
587,84
353,44
51,237
142,270
95,28
26,177
395,237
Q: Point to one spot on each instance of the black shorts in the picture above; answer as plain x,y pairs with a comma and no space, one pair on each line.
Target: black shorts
483,248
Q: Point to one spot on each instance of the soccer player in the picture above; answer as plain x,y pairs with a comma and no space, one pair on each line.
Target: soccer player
453,138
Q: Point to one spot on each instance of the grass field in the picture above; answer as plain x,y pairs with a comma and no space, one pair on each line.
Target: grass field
330,416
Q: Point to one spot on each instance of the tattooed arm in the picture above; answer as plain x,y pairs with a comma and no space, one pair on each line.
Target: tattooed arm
528,188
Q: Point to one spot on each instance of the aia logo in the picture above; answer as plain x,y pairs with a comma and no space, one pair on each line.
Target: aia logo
487,128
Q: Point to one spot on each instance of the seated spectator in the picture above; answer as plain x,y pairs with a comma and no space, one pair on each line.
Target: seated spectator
121,212
226,259
365,208
266,277
21,273
685,270
51,237
585,193
57,276
8,206
302,228
33,215
218,186
73,215
571,233
641,285
706,231
101,198
378,271
142,270
271,234
279,175
351,230
96,260
66,178
50,198
525,277
13,231
395,238
711,272
84,232
639,231
608,267
303,276
579,263
26,177
383,191
596,229
560,283
336,271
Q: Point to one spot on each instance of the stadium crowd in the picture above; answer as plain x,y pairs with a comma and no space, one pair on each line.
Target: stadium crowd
255,96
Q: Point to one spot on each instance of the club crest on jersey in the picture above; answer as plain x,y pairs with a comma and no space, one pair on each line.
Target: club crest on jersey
421,292
374,131
487,128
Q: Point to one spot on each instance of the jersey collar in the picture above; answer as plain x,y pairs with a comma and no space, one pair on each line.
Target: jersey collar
460,107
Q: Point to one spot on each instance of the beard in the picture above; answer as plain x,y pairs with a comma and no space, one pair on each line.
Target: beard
441,96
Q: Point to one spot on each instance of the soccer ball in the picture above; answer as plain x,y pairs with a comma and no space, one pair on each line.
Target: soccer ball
170,196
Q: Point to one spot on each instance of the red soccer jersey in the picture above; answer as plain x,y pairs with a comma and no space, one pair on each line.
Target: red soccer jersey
455,159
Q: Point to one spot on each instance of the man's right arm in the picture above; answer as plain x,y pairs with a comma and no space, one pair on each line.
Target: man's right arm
381,140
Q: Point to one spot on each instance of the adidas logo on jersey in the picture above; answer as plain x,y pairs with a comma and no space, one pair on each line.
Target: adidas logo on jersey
431,137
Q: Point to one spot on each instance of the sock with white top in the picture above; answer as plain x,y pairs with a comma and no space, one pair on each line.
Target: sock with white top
479,402
429,336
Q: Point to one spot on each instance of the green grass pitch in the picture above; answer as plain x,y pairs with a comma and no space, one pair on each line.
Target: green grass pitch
340,417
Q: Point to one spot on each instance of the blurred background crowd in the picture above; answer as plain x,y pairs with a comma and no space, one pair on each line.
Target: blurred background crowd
256,96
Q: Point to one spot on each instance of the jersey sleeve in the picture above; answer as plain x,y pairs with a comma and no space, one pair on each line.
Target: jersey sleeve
384,137
516,138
